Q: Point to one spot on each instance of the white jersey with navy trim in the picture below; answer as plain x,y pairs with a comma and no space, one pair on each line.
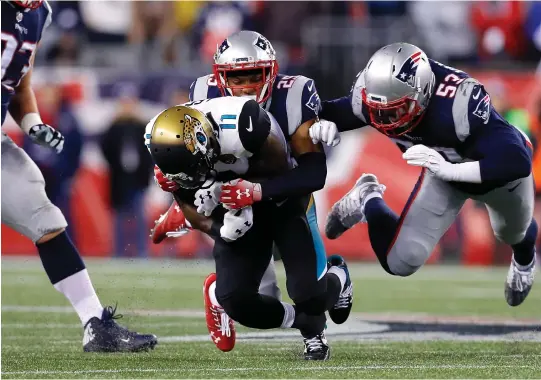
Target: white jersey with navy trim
235,138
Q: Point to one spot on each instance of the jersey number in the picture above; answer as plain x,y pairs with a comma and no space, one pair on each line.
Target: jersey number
10,47
447,89
211,81
286,82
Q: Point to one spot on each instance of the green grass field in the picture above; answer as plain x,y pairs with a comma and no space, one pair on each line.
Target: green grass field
443,322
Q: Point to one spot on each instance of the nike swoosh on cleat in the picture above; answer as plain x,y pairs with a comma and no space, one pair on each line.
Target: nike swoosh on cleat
125,340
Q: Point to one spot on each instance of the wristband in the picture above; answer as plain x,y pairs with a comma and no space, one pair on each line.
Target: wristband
29,120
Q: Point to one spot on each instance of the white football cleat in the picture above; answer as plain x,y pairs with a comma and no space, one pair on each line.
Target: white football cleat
519,282
349,210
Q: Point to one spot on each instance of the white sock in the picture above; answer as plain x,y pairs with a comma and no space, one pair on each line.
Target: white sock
289,315
340,273
212,295
79,291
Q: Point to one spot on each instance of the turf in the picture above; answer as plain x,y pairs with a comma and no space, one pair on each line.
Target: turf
41,337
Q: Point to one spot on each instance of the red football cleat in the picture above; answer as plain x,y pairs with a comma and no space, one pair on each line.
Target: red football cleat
220,326
171,224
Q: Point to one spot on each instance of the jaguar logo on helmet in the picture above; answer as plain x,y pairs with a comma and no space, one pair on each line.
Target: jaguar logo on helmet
195,137
408,71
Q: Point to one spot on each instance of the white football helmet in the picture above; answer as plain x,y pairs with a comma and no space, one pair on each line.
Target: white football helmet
250,53
398,84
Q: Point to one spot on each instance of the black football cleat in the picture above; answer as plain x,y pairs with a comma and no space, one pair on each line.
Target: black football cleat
316,348
341,310
105,335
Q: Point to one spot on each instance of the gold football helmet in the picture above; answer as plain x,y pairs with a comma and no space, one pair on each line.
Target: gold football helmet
184,145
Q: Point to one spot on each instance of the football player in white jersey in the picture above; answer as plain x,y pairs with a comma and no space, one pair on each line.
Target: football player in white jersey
239,185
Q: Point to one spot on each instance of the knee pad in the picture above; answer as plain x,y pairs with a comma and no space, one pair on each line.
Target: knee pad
407,257
48,220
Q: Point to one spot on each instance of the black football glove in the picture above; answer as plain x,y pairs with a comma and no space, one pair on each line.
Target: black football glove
46,135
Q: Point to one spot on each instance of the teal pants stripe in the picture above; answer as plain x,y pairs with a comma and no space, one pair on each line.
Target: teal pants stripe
318,241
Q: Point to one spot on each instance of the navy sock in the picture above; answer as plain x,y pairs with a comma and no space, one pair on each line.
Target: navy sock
60,258
382,226
525,250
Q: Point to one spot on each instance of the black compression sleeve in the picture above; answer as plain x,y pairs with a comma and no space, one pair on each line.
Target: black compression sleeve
306,178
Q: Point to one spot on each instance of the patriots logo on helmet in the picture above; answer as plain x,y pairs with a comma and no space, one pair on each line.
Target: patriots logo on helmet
261,43
482,110
409,69
223,47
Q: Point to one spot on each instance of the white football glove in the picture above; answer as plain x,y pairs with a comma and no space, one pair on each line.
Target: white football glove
207,199
326,132
46,135
237,223
420,155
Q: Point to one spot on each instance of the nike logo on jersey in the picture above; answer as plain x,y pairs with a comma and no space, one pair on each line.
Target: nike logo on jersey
310,86
514,187
250,128
475,97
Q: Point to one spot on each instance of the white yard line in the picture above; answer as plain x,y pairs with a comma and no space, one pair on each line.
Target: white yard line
292,369
23,326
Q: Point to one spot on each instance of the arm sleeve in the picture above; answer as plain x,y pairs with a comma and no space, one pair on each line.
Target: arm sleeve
340,112
307,177
347,112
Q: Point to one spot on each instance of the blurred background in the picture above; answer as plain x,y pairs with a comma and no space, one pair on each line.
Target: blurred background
105,68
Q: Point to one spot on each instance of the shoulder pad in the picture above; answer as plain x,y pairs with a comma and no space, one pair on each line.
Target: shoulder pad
461,106
199,88
294,102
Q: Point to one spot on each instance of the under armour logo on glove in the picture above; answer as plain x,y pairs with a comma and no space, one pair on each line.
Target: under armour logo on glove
206,200
236,224
247,193
46,135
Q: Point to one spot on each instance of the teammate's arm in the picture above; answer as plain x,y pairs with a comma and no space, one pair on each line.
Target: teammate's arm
23,102
24,110
498,150
311,172
340,112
